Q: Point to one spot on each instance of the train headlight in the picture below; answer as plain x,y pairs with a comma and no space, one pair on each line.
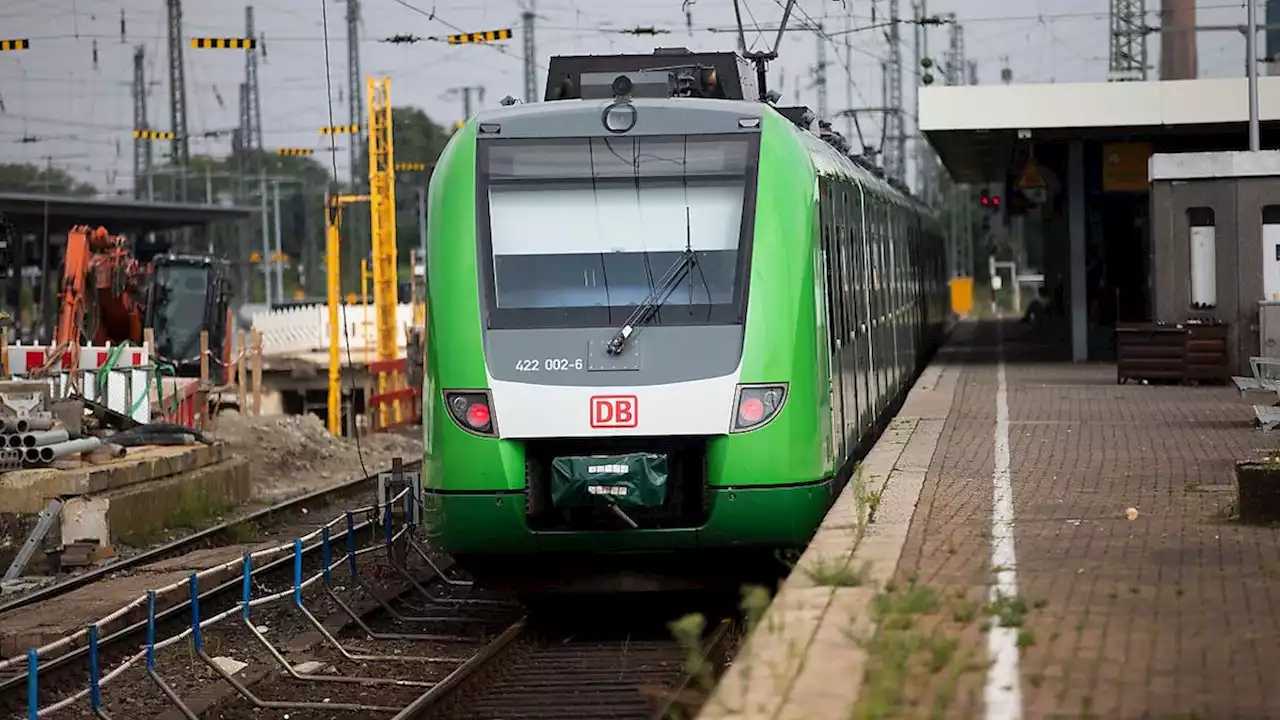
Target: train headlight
471,410
755,405
618,117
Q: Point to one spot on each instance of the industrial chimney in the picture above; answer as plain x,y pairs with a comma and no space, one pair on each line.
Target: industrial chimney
1178,39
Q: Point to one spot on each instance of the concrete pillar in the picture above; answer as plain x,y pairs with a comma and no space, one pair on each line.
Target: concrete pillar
1077,229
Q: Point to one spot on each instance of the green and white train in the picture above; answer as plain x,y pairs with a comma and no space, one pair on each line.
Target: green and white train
661,317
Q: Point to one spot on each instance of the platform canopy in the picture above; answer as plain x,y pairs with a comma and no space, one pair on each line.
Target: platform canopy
59,213
974,128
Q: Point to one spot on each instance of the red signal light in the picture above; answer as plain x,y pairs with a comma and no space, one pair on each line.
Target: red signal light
995,201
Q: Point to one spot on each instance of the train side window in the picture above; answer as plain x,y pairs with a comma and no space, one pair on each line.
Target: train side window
824,248
833,264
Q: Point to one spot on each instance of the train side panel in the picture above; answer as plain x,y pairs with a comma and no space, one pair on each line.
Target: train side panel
771,485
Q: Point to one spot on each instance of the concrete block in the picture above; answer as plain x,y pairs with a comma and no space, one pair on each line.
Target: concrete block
28,491
137,512
85,518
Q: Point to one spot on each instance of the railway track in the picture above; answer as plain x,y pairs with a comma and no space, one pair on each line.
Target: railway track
226,533
391,582
565,668
356,618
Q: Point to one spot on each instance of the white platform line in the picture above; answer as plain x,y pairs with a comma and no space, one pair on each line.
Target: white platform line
1002,694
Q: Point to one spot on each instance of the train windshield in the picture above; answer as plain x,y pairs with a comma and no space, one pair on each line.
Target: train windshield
582,229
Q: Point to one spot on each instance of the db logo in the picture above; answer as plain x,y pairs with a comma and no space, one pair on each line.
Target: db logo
614,411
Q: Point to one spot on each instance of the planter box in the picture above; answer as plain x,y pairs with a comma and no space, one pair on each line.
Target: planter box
1258,491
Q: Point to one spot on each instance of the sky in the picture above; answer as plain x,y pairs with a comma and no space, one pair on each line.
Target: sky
81,112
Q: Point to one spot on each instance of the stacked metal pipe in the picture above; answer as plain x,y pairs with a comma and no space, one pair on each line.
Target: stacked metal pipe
32,439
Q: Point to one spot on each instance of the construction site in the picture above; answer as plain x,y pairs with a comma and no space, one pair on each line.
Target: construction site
155,380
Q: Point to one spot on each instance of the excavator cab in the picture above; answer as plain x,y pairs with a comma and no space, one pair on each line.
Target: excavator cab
187,295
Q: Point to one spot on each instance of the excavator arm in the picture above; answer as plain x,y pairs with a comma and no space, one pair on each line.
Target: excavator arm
75,271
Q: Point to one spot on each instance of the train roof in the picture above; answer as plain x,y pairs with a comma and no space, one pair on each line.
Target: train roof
679,91
731,76
565,118
687,78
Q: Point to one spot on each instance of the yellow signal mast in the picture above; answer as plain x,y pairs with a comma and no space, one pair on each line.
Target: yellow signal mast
382,212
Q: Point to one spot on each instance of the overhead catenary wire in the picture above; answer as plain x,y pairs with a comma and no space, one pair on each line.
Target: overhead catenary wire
333,155
302,31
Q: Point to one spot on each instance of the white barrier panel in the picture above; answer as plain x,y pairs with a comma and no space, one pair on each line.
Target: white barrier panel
306,329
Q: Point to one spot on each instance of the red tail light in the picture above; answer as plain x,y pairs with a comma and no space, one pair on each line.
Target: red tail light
471,410
478,415
756,405
751,410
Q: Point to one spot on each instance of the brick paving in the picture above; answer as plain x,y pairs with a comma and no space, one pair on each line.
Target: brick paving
1169,615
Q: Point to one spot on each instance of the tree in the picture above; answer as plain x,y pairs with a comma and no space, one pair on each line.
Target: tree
235,179
417,139
27,178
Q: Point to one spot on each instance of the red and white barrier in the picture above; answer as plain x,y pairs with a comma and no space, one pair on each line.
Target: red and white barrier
124,389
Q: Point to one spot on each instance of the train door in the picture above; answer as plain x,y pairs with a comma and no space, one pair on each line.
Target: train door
834,320
886,304
870,281
849,348
904,295
861,315
913,292
893,217
876,306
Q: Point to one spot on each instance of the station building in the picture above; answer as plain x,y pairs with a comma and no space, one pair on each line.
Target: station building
1122,192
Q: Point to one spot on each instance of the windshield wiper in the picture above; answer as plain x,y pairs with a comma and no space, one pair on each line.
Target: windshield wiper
670,279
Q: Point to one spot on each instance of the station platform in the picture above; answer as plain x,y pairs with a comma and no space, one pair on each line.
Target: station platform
992,565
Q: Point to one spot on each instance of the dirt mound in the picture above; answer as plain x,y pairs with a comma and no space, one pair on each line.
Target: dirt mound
294,454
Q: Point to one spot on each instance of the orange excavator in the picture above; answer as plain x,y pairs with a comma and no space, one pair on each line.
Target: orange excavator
109,296
102,299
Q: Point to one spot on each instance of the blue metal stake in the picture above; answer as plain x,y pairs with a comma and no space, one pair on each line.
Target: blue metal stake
196,637
246,586
325,553
95,689
151,629
351,544
297,573
33,684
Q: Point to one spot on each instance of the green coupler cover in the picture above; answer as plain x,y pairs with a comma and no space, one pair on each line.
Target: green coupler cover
636,480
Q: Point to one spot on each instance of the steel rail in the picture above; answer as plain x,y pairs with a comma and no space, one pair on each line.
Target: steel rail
181,545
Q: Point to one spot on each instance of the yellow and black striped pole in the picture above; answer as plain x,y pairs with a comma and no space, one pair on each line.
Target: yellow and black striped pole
294,152
480,37
410,166
19,44
153,135
340,130
224,43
